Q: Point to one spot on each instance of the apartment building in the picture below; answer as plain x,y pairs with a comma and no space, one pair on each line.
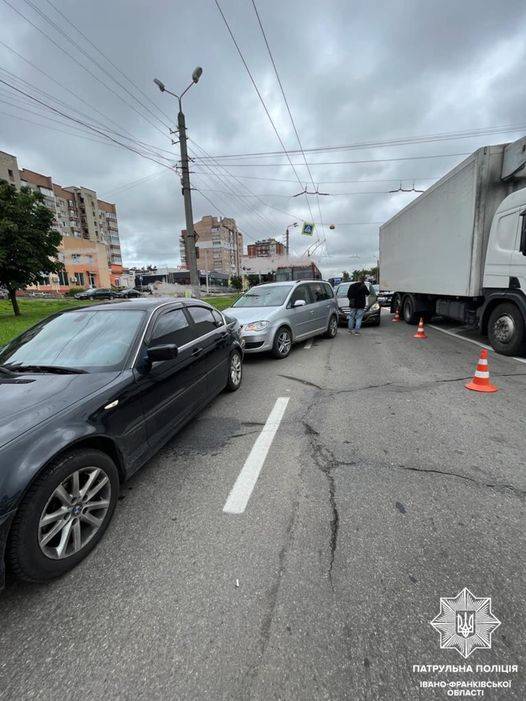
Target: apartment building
90,248
219,245
265,248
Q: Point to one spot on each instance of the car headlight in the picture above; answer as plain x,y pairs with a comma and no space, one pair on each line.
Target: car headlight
375,307
257,326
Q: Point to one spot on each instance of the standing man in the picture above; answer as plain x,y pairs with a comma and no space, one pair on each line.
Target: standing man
357,294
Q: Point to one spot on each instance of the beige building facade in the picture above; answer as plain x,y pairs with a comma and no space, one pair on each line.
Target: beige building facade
90,249
219,243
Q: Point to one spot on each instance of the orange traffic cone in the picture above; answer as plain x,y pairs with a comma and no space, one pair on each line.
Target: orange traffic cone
480,381
397,315
420,333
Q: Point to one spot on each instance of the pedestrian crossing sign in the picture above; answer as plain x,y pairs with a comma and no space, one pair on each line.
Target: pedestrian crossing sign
308,229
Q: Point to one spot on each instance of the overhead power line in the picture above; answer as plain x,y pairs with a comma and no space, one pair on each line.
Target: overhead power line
85,124
101,68
365,160
115,67
79,63
403,141
23,101
398,179
245,64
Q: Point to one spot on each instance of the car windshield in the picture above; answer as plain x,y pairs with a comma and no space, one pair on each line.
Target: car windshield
94,340
341,290
264,296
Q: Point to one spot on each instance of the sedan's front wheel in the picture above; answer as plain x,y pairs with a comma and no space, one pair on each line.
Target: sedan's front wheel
63,515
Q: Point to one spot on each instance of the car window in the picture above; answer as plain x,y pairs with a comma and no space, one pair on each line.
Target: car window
89,340
203,319
264,296
301,292
171,327
318,291
341,290
217,318
329,290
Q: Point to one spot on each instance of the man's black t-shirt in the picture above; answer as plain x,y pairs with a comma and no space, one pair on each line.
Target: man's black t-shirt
357,294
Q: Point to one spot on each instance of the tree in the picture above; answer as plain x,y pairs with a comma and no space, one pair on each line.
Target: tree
28,243
345,276
236,282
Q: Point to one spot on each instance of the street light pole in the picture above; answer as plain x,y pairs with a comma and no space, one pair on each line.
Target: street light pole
287,236
191,256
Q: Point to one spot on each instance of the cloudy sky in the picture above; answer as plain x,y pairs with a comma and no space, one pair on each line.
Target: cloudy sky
353,73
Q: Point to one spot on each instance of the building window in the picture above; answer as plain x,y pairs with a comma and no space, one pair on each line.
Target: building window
63,278
92,279
79,279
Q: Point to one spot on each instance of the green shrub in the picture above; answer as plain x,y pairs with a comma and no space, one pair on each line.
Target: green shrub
73,291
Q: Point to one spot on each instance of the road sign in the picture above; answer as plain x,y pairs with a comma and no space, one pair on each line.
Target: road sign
308,229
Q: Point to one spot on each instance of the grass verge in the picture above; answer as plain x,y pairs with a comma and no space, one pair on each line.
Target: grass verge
33,310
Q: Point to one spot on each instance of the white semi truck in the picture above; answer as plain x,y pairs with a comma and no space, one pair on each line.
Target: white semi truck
459,249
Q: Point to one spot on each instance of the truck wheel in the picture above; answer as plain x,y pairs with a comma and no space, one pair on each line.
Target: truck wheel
506,329
408,311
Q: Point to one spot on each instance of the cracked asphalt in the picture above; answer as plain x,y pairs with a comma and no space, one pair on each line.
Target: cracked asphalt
388,486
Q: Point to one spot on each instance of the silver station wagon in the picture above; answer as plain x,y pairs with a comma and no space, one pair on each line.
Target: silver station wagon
278,314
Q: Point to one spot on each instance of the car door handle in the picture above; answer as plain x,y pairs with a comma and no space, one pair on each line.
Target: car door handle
196,351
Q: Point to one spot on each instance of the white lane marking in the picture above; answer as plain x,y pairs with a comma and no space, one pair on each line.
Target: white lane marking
308,345
462,338
471,340
247,478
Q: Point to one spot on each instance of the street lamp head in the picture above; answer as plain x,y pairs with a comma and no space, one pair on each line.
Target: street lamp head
198,72
159,84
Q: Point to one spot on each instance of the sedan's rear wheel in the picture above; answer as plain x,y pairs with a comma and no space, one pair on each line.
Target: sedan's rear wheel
235,371
63,515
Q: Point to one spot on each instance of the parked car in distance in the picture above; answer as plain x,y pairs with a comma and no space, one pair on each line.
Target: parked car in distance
97,293
276,315
129,293
87,396
385,297
372,315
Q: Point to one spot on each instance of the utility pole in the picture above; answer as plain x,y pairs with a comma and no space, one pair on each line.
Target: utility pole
191,256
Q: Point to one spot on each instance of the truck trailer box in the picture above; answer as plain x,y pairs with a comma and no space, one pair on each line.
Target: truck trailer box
436,245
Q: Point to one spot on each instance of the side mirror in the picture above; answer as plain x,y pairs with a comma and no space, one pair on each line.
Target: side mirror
299,303
167,351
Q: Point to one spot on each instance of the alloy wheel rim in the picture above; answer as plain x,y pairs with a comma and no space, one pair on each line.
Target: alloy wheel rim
74,513
235,369
504,328
333,327
283,343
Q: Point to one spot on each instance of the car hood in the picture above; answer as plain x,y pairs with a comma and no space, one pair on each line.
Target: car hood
32,398
246,315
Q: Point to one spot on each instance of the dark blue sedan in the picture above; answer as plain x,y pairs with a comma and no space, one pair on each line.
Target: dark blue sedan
87,396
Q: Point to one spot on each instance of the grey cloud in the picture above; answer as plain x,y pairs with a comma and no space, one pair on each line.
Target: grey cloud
352,72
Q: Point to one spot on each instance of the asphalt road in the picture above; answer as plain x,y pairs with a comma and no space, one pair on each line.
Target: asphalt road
387,486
